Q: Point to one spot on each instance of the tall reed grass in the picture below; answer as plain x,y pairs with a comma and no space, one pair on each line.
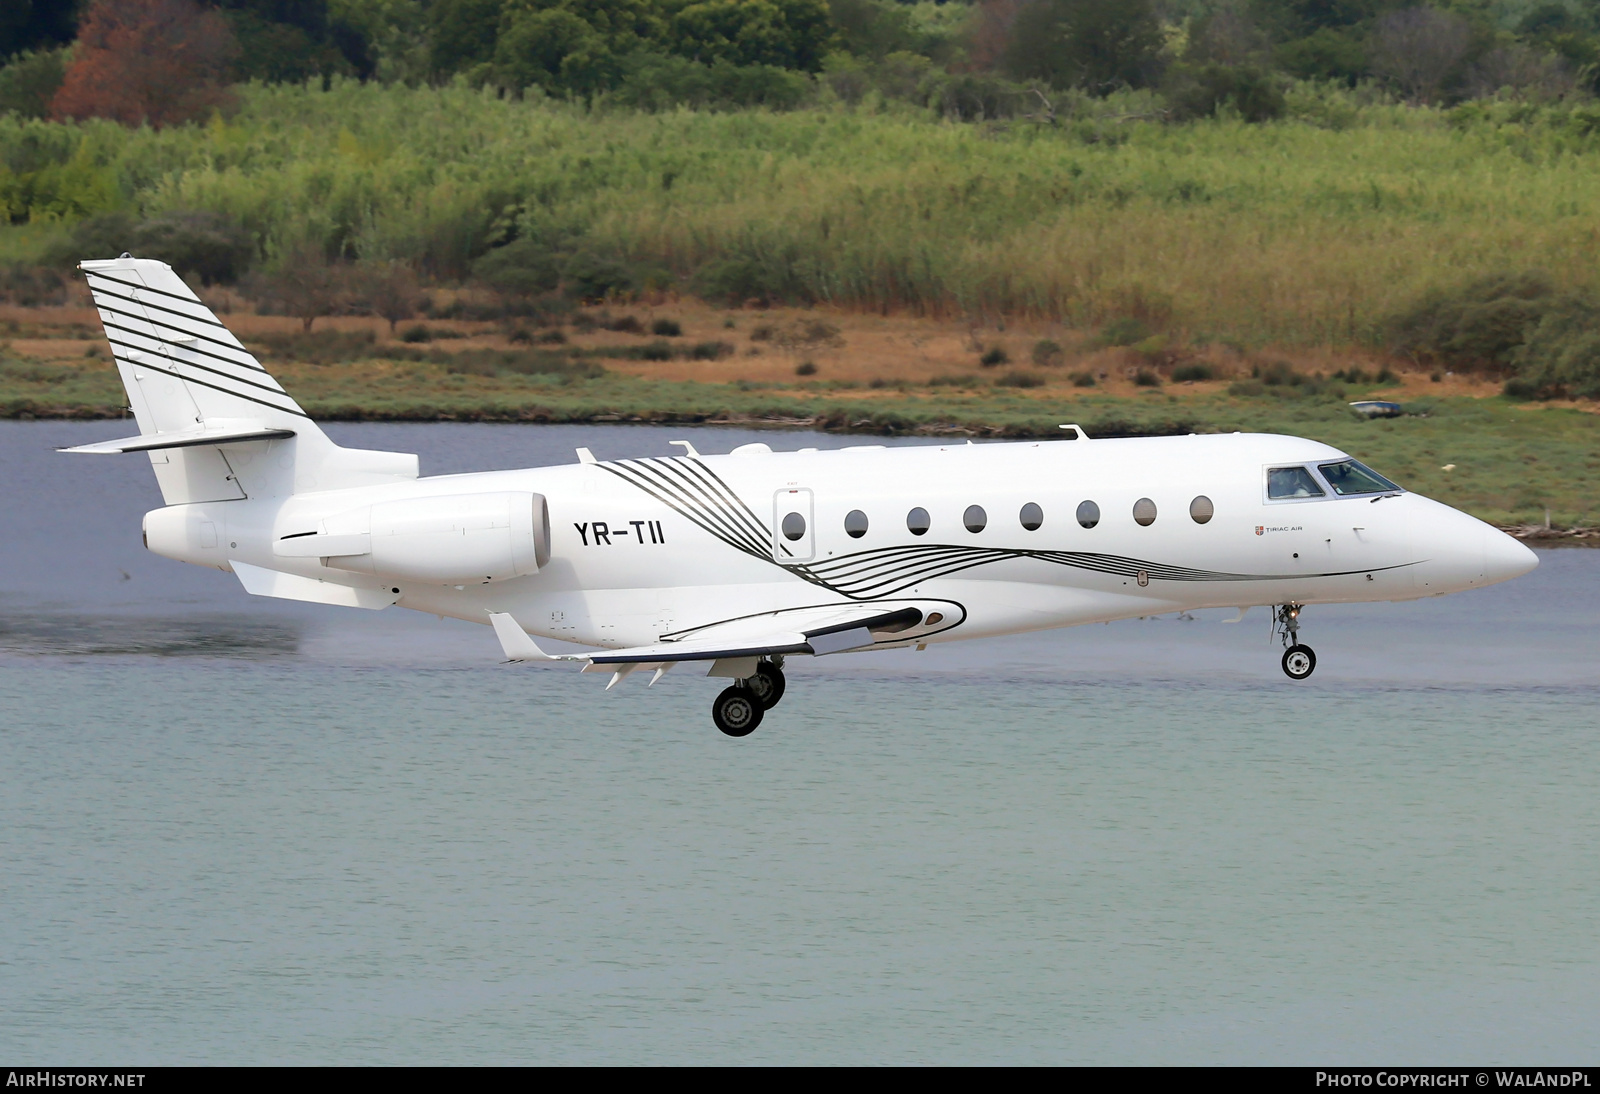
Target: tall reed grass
1308,231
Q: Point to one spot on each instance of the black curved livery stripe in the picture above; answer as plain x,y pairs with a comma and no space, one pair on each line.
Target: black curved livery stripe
690,488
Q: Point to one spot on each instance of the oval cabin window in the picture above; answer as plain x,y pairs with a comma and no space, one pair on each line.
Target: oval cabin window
918,522
794,526
855,524
1088,514
1201,509
975,519
1144,512
1032,517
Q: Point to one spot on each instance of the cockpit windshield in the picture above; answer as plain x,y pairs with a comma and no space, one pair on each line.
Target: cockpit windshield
1353,477
1292,482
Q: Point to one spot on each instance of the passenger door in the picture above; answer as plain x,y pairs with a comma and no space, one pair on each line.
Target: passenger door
794,535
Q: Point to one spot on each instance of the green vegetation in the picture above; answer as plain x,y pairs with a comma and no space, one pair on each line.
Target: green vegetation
1303,232
1508,462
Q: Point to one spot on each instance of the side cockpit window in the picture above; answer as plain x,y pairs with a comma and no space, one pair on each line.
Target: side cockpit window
1353,477
1285,483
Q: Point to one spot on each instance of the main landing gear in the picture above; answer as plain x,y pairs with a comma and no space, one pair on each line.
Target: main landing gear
1299,661
738,710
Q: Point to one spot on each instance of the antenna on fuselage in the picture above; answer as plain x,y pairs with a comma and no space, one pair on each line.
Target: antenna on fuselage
688,449
1077,431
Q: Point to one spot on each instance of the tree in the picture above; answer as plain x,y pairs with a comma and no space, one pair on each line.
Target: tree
1097,45
389,290
783,33
1422,50
36,24
302,283
156,62
31,80
462,33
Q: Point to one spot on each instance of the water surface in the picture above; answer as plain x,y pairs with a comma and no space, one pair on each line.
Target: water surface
238,830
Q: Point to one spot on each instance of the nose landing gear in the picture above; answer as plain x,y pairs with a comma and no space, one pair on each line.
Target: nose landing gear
1299,661
738,710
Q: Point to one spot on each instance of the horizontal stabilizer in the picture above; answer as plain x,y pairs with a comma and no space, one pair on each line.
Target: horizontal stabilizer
260,581
186,438
516,643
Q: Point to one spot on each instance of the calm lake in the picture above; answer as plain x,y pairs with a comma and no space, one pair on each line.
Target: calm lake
236,830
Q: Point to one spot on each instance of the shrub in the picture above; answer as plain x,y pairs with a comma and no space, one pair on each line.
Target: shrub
622,324
1082,379
668,328
1202,92
416,334
1020,379
525,267
1124,332
1478,325
32,286
515,362
1046,353
1561,357
1146,378
210,246
1189,373
656,351
952,379
994,356
806,368
761,276
710,351
658,82
592,277
552,337
323,347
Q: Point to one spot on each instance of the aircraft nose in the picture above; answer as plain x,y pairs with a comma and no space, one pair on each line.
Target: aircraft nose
1504,558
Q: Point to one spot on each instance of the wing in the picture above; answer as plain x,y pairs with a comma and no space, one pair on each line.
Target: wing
816,630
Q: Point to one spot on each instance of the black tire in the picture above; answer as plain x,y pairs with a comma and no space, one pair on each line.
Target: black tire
737,711
767,684
1299,662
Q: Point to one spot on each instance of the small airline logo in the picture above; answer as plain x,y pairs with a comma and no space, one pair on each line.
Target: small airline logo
1260,528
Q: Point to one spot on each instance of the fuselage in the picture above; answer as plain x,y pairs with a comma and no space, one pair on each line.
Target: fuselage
639,550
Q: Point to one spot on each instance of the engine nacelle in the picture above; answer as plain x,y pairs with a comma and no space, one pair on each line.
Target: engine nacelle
453,539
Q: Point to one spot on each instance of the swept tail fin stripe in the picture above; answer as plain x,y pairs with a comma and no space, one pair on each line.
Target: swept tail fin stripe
214,387
162,324
131,298
127,356
191,299
271,387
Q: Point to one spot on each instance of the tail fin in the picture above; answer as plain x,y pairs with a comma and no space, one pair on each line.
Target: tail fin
216,424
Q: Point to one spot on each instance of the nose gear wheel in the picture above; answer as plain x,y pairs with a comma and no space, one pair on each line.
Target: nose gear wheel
1299,662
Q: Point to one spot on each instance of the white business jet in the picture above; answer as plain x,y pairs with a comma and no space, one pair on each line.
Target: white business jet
734,563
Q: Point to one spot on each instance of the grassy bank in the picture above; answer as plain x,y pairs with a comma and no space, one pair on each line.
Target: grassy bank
1302,232
1507,461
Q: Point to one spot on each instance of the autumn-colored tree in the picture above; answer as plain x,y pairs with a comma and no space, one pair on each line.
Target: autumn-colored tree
159,62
